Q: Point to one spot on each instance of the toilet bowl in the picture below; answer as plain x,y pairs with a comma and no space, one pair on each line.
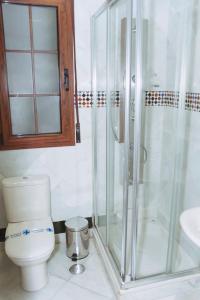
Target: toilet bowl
29,246
29,235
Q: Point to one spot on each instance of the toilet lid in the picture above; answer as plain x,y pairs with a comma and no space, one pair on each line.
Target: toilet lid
29,240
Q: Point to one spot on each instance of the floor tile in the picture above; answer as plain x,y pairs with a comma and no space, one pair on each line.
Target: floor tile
191,296
95,277
13,291
92,284
71,291
58,263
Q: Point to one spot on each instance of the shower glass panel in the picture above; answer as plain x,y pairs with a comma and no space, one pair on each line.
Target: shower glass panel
99,117
116,156
185,255
160,75
161,247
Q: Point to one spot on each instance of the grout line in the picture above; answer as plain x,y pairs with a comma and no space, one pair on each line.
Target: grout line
60,277
59,289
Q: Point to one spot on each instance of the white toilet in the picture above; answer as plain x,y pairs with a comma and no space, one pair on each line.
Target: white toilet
29,235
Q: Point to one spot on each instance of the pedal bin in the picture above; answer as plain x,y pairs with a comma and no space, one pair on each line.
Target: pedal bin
77,238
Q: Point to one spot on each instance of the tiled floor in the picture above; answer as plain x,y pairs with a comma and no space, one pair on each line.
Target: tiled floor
91,285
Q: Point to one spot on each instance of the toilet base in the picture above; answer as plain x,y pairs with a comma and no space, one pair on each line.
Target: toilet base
34,277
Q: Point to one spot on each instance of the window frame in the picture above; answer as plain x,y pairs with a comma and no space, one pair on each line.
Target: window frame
65,57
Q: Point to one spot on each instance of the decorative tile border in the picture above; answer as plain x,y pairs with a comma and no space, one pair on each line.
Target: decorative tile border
192,102
115,97
152,98
85,99
171,99
161,98
101,99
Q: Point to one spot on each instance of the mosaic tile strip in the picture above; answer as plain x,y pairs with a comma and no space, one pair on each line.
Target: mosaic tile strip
115,98
85,99
152,98
101,99
161,98
192,102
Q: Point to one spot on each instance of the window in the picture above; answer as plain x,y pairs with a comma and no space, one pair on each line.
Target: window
36,74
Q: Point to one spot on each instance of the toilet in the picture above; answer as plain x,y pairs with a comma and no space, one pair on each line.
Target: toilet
29,235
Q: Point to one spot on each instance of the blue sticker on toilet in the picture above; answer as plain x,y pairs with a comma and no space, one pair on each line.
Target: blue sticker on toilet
26,232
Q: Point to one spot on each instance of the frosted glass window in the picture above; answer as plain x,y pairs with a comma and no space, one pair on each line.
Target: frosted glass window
19,73
44,28
46,73
48,109
16,26
33,109
22,115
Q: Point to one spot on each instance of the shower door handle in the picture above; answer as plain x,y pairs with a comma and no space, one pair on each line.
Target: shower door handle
145,154
121,119
122,109
144,160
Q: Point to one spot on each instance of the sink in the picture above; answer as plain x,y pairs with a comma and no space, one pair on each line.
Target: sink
190,223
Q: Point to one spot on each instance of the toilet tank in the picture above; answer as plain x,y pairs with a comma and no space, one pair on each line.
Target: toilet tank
26,198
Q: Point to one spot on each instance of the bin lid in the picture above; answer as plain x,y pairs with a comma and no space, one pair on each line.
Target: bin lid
76,224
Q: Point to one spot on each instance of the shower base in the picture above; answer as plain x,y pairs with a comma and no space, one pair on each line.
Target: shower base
152,249
152,287
151,260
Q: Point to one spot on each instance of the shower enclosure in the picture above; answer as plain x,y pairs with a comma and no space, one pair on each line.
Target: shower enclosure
146,141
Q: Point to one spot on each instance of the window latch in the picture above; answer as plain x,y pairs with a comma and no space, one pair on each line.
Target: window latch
66,79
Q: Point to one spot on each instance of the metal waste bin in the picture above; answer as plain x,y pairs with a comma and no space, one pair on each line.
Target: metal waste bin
77,238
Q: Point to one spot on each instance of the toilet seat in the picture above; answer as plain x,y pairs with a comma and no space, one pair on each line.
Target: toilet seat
30,240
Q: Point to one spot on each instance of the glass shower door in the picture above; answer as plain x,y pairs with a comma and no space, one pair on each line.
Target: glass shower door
184,253
111,126
99,120
118,128
160,183
158,119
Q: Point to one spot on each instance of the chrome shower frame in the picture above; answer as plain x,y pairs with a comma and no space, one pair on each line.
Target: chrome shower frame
121,279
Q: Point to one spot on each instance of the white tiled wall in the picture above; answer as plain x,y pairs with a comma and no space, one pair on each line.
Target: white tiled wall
69,168
84,10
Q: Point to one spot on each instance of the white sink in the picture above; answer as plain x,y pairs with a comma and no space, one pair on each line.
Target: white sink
190,223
